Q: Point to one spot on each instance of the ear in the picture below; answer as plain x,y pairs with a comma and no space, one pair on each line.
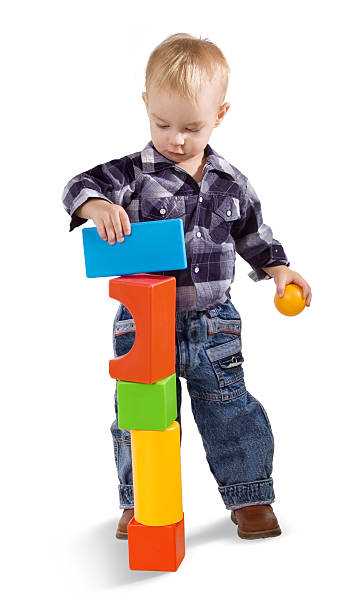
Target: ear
222,112
145,98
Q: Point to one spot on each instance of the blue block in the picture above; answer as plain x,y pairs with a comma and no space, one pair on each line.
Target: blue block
153,246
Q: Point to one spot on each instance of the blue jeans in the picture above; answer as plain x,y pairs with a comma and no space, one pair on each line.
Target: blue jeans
234,426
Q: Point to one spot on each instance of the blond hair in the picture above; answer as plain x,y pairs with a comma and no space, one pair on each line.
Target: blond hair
181,62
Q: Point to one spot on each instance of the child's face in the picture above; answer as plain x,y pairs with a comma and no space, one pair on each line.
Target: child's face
177,126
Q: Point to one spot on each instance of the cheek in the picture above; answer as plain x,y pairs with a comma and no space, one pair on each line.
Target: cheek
157,135
200,141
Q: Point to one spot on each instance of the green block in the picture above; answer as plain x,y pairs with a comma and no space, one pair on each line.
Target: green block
147,406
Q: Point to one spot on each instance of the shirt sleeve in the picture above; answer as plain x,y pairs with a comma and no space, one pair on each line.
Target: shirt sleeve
254,240
108,181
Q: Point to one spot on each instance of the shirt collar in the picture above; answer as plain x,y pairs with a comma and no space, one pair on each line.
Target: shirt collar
153,161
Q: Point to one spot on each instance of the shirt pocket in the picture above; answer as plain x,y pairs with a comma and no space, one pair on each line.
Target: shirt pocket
226,360
156,209
225,210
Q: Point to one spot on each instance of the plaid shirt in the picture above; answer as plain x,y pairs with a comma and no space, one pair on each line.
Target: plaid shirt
221,215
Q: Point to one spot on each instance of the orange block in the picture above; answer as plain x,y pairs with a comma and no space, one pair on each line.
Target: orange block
151,300
155,548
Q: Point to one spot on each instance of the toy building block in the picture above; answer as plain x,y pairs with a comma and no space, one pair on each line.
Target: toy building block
142,406
157,476
155,548
152,246
146,382
151,300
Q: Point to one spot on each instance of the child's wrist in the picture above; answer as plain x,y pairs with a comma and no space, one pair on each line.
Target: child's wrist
85,211
274,271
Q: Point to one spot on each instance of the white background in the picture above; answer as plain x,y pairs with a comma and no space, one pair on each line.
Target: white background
73,74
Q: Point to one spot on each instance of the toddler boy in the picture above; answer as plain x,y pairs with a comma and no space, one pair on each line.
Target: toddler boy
178,175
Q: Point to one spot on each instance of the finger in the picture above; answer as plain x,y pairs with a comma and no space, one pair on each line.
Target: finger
309,298
101,230
304,286
125,222
118,228
306,290
281,285
110,230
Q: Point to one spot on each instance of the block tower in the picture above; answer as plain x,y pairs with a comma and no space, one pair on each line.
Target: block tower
146,386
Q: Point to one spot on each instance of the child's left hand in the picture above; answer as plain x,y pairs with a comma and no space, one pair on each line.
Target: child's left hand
283,276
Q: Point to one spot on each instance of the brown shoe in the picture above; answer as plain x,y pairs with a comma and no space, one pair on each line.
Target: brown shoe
256,522
122,531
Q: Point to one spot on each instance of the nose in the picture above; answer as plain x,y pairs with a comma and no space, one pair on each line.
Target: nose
177,140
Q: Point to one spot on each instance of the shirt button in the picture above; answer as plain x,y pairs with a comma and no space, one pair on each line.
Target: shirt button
198,234
200,199
196,269
229,212
162,211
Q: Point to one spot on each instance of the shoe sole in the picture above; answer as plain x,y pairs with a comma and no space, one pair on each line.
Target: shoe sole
253,535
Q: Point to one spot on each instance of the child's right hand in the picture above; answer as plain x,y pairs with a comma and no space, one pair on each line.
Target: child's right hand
111,220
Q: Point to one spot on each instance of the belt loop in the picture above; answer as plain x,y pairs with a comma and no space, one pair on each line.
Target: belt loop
213,312
203,312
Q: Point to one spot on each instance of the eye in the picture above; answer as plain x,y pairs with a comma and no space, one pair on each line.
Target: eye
163,127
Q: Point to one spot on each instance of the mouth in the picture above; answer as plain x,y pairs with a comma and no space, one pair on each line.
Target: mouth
171,153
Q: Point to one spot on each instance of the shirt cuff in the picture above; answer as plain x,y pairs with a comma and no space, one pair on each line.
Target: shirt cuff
258,274
83,196
76,222
276,257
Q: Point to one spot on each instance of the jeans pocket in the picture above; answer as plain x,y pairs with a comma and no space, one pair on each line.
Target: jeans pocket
226,360
216,325
224,320
123,332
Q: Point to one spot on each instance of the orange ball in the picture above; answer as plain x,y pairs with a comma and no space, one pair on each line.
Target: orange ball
292,302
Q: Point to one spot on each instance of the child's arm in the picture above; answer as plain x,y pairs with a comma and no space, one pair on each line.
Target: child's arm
102,194
253,239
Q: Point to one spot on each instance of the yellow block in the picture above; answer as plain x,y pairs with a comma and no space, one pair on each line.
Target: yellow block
157,476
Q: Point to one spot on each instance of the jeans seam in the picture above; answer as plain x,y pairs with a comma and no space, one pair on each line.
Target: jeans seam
223,396
245,484
263,502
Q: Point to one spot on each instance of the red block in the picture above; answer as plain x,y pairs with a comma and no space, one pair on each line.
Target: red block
155,548
151,300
